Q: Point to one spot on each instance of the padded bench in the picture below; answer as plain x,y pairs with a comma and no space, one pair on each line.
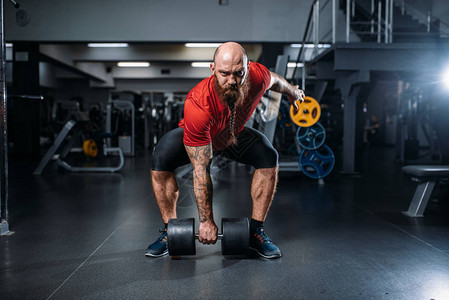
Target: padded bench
426,176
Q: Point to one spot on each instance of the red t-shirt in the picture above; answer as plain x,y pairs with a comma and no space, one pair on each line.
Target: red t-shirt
206,117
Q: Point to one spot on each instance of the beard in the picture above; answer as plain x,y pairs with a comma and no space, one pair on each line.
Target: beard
233,95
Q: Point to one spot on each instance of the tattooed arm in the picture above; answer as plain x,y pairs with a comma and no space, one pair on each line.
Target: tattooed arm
201,158
280,85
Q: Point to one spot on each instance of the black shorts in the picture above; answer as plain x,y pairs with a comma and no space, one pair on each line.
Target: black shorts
253,148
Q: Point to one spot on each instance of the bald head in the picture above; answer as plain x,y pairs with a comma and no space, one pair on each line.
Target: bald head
230,52
230,71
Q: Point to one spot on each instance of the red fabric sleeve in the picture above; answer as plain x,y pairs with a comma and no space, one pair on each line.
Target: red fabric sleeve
196,125
263,75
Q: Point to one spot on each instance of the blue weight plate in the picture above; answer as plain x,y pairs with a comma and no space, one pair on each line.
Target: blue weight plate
311,137
317,163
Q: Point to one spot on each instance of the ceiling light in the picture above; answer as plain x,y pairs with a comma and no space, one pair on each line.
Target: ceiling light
292,65
9,45
310,45
202,45
201,64
107,45
133,64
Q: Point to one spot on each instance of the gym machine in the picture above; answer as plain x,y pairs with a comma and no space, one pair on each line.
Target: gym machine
64,144
126,142
415,128
266,115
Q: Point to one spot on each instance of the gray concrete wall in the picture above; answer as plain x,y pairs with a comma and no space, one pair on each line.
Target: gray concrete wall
158,20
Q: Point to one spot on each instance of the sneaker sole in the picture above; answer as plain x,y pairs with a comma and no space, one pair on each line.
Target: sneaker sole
265,256
156,255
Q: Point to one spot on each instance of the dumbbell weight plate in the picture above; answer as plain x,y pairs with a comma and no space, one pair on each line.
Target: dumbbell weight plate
308,113
235,240
90,148
181,237
312,137
317,163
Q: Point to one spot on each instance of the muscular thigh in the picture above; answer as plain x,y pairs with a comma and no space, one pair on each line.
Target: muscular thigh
253,148
170,152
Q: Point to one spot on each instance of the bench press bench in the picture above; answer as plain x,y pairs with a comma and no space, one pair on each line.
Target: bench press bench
426,176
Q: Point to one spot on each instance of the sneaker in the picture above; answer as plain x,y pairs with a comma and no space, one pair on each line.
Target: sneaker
159,247
262,244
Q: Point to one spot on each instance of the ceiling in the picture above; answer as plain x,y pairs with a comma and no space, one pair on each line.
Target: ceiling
167,61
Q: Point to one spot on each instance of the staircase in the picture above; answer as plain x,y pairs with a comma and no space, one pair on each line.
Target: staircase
406,28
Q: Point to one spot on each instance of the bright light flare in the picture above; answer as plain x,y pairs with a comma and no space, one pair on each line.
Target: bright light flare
293,64
445,77
201,64
311,46
107,45
135,64
202,45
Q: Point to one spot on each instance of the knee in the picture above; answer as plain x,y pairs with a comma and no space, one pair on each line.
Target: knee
157,162
160,162
270,174
161,176
265,159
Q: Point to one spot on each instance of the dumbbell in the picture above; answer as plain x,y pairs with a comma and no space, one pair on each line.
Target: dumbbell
234,237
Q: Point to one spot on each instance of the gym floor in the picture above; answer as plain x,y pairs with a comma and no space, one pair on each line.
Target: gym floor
84,236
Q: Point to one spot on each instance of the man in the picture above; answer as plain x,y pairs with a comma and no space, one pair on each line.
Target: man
215,113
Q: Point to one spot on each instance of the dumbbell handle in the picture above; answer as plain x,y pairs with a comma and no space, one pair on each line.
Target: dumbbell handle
220,236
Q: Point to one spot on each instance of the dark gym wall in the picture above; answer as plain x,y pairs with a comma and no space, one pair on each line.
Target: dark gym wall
25,112
156,20
79,88
382,96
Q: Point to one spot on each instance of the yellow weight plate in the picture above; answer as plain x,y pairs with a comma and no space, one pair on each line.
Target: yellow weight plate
308,114
90,148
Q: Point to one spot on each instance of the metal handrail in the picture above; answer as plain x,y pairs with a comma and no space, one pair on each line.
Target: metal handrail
380,17
422,17
306,31
375,19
